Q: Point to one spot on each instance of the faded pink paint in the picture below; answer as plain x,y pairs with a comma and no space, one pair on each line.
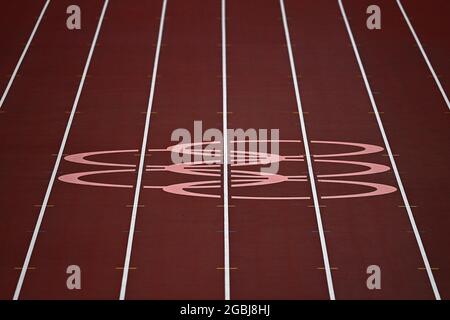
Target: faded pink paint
239,178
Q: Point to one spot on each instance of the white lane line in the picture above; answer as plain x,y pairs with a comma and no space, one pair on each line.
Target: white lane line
308,157
24,52
391,157
126,267
436,79
58,159
226,228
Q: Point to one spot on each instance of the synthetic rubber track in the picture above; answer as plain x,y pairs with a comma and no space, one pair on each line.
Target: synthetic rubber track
111,117
32,123
432,25
274,244
416,121
13,42
178,253
182,243
360,231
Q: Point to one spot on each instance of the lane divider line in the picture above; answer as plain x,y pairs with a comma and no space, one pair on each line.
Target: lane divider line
226,233
24,52
138,186
391,157
308,157
424,54
58,159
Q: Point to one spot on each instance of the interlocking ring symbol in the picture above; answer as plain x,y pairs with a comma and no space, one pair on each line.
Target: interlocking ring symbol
204,176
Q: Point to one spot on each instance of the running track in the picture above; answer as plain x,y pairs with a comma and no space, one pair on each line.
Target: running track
137,70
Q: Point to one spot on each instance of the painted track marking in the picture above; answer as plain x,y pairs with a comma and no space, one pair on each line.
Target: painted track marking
24,52
424,54
391,157
308,156
58,159
226,233
126,267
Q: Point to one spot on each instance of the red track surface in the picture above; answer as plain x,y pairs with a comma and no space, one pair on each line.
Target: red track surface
275,251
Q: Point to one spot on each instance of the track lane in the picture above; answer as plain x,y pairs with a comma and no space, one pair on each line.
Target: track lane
32,123
109,117
274,244
178,244
361,231
18,19
430,25
271,256
415,119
